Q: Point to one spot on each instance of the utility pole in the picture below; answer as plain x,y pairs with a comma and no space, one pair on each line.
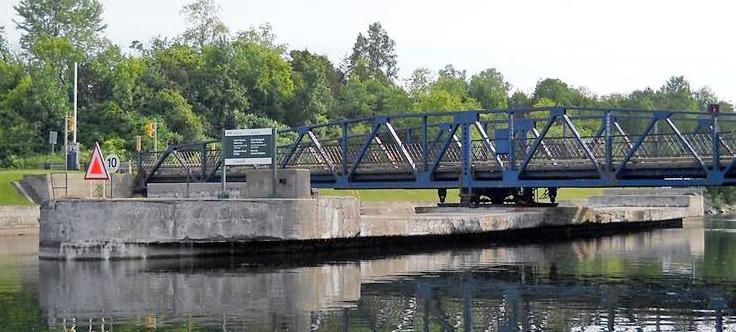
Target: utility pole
75,144
66,141
72,153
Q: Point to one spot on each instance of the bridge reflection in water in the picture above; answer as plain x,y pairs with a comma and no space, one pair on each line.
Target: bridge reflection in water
676,279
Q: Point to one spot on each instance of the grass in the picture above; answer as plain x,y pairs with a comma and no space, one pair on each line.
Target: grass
8,194
416,195
429,195
566,194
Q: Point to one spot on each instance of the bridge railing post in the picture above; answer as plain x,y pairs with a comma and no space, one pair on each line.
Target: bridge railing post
716,143
425,145
203,159
608,143
344,148
512,142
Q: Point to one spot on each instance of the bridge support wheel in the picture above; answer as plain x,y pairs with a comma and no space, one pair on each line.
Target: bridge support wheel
469,197
524,196
442,194
552,193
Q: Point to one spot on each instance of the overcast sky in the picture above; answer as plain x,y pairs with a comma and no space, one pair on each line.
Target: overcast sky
607,46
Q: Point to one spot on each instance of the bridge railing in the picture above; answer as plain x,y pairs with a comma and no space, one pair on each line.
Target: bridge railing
512,147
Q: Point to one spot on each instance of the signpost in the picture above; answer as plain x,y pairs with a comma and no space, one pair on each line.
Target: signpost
52,140
249,147
112,164
96,169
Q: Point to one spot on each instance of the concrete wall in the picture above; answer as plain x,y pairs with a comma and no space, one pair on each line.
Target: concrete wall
195,190
391,207
40,187
291,183
693,204
124,227
653,191
18,219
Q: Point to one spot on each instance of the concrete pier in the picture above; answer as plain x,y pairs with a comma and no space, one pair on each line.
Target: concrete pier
148,228
144,228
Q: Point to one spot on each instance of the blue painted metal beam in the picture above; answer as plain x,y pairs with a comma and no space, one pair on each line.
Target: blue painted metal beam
498,159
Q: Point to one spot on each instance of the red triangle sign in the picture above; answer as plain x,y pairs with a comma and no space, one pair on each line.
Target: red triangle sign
96,169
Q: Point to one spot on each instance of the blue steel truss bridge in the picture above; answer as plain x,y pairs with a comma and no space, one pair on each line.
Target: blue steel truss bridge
492,155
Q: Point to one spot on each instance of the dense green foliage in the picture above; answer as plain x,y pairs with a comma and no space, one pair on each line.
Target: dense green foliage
208,79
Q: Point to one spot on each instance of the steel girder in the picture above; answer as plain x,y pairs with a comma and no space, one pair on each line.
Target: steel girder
526,147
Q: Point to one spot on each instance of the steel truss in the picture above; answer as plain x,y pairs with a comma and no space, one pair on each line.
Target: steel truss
510,148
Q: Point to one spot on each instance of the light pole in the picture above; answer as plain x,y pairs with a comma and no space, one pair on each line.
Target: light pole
72,158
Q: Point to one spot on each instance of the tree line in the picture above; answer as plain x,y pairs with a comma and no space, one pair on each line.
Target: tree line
209,78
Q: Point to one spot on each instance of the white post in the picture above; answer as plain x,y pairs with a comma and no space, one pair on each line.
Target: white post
76,124
66,140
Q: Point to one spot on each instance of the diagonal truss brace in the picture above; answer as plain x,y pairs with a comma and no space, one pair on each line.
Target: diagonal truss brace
632,150
489,146
585,146
321,152
402,148
687,145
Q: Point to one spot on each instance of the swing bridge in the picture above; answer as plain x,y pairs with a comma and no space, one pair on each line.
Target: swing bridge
489,153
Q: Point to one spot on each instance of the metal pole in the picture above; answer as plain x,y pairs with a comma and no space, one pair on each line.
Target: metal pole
74,134
155,136
274,181
608,143
112,181
223,193
66,140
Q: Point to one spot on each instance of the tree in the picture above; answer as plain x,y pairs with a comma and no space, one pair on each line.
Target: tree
676,94
262,35
490,89
419,82
378,49
519,99
203,23
315,81
80,21
705,96
448,93
562,93
4,46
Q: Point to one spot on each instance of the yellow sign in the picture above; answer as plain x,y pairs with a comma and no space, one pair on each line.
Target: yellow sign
150,129
71,123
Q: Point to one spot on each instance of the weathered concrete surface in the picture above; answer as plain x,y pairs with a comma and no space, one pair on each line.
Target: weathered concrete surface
142,228
40,186
195,190
391,207
124,228
18,219
653,191
462,220
291,183
692,205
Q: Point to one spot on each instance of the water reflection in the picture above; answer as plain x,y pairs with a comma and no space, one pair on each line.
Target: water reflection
673,279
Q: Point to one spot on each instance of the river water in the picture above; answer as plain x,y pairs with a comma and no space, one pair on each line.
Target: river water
659,280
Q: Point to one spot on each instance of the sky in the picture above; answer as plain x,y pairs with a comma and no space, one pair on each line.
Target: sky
607,46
